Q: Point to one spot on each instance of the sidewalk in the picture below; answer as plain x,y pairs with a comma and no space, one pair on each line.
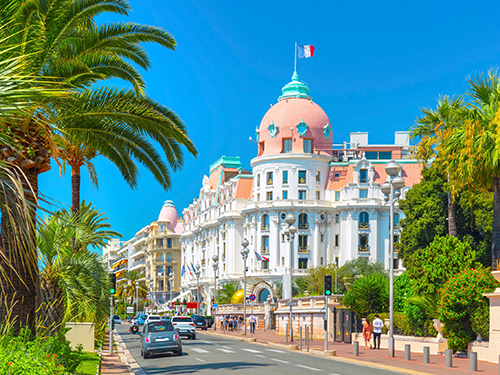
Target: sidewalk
112,365
376,358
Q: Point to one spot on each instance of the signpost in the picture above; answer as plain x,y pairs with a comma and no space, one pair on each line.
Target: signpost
252,297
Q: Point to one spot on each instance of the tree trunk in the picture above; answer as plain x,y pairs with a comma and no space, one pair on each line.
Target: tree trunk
495,240
52,307
75,188
452,217
20,272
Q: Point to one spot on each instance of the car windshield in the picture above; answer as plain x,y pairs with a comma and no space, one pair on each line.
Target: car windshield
200,318
154,318
116,317
160,326
182,319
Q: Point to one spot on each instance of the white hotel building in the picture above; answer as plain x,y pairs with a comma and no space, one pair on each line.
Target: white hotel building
333,192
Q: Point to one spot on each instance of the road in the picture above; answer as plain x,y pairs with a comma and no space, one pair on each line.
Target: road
214,353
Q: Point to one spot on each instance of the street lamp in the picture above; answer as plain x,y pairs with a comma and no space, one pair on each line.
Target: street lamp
391,188
244,254
198,273
215,266
137,297
125,299
290,234
170,280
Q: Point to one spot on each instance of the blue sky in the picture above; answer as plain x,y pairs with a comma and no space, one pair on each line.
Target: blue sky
375,65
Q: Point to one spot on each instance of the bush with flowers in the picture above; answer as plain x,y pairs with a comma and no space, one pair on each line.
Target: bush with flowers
23,354
462,307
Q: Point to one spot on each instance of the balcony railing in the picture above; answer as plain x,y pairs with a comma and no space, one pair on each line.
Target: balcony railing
363,249
364,225
264,250
303,249
138,263
265,227
303,226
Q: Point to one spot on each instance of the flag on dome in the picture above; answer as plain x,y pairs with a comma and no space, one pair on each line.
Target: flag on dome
260,257
306,51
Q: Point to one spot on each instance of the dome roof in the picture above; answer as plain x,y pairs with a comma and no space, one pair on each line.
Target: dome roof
169,214
295,109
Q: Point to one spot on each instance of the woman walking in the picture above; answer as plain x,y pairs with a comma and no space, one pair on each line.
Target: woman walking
367,332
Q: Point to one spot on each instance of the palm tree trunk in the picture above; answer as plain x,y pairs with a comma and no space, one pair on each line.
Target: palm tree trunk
495,240
452,217
52,307
20,271
75,188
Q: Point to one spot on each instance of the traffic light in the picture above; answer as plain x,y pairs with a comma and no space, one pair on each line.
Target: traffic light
213,300
328,285
324,324
112,279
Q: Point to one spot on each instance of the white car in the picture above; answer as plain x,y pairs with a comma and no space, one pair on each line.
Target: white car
184,326
152,318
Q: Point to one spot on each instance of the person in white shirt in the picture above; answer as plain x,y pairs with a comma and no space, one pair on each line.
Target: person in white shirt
252,324
377,331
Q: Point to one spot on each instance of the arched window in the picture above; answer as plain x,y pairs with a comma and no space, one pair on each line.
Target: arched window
265,222
303,221
337,218
169,257
169,271
160,257
396,220
263,295
364,220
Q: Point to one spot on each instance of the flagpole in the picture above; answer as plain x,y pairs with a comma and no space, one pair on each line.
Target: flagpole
295,67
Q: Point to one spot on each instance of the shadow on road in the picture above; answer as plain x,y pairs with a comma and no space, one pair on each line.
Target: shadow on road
188,369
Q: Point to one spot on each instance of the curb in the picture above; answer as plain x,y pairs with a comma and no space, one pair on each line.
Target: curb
274,344
126,357
323,353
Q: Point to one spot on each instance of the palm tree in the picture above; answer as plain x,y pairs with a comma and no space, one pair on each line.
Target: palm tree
129,279
225,293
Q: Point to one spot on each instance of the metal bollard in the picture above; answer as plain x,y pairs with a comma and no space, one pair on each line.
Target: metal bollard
356,348
427,352
307,338
473,361
407,352
449,358
312,332
300,338
287,332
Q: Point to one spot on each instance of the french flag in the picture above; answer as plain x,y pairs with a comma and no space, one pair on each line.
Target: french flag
306,51
260,257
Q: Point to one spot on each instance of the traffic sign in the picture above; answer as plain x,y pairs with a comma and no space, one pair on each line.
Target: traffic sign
252,297
215,305
291,303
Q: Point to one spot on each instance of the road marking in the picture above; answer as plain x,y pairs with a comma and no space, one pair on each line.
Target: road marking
226,347
200,350
225,350
201,360
275,350
260,355
208,342
279,360
308,368
252,350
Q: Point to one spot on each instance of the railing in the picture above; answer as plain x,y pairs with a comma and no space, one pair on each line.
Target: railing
303,249
265,227
264,250
138,263
303,226
363,180
364,225
363,249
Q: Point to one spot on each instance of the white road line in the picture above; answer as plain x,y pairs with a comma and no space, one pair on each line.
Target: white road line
308,368
279,360
208,342
275,350
225,350
260,355
252,350
200,350
201,360
226,347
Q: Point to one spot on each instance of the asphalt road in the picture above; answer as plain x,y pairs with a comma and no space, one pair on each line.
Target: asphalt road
213,353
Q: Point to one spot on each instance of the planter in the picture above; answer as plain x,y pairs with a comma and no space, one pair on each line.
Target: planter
496,275
387,323
438,327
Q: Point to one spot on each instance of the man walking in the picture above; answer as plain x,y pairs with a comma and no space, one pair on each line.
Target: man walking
377,331
252,324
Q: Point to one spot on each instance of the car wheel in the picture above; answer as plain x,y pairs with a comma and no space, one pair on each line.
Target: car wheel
145,355
194,337
179,353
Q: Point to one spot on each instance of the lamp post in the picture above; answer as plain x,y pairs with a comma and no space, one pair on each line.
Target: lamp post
244,254
215,266
125,299
391,188
290,234
170,280
198,273
137,297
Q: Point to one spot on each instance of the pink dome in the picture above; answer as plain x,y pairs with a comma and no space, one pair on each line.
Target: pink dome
296,109
169,214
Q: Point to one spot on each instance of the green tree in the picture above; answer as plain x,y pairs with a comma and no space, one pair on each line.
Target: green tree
227,291
129,278
368,295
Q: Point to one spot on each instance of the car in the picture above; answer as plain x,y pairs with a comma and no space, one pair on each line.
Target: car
152,318
160,337
117,319
165,318
184,326
142,318
200,322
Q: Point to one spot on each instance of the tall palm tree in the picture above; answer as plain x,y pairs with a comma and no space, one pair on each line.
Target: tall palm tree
129,280
227,291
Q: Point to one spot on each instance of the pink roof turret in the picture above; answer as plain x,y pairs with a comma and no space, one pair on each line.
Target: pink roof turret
169,215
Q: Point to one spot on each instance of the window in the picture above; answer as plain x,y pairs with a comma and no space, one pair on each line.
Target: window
303,263
318,195
169,243
363,243
303,221
287,145
169,257
396,264
302,177
262,147
269,178
322,236
396,220
302,194
169,270
269,196
285,194
282,261
265,222
258,197
308,145
337,218
337,196
318,177
336,175
364,220
264,245
285,177
363,176
363,193
258,180
321,261
264,265
396,239
303,243
378,155
336,240
337,261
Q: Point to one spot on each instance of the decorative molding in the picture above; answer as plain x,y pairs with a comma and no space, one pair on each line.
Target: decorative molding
327,130
273,130
302,128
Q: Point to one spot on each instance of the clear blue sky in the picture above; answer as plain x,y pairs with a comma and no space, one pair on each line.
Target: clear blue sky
375,65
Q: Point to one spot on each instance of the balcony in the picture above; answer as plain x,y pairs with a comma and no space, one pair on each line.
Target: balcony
264,250
303,226
265,227
303,249
364,225
364,249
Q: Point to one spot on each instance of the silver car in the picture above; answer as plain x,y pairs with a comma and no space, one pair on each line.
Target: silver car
160,337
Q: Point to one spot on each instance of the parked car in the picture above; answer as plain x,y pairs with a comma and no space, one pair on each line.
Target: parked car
184,326
152,318
142,318
160,337
117,319
200,322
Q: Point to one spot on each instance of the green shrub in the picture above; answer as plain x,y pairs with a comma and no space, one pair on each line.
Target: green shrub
368,294
402,290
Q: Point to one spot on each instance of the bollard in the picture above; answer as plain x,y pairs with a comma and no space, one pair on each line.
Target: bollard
311,332
449,358
427,356
287,332
300,338
356,348
407,352
307,338
473,361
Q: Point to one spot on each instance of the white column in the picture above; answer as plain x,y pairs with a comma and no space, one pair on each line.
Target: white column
316,244
275,251
328,241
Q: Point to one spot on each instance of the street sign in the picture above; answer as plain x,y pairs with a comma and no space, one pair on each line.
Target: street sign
215,305
291,304
252,297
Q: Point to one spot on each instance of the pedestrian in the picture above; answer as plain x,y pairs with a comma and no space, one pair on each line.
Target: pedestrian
377,331
367,333
226,322
252,324
221,322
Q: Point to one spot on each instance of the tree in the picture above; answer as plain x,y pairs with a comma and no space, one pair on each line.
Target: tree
368,295
227,291
129,279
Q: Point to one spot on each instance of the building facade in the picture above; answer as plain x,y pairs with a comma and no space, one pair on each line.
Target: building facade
332,190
